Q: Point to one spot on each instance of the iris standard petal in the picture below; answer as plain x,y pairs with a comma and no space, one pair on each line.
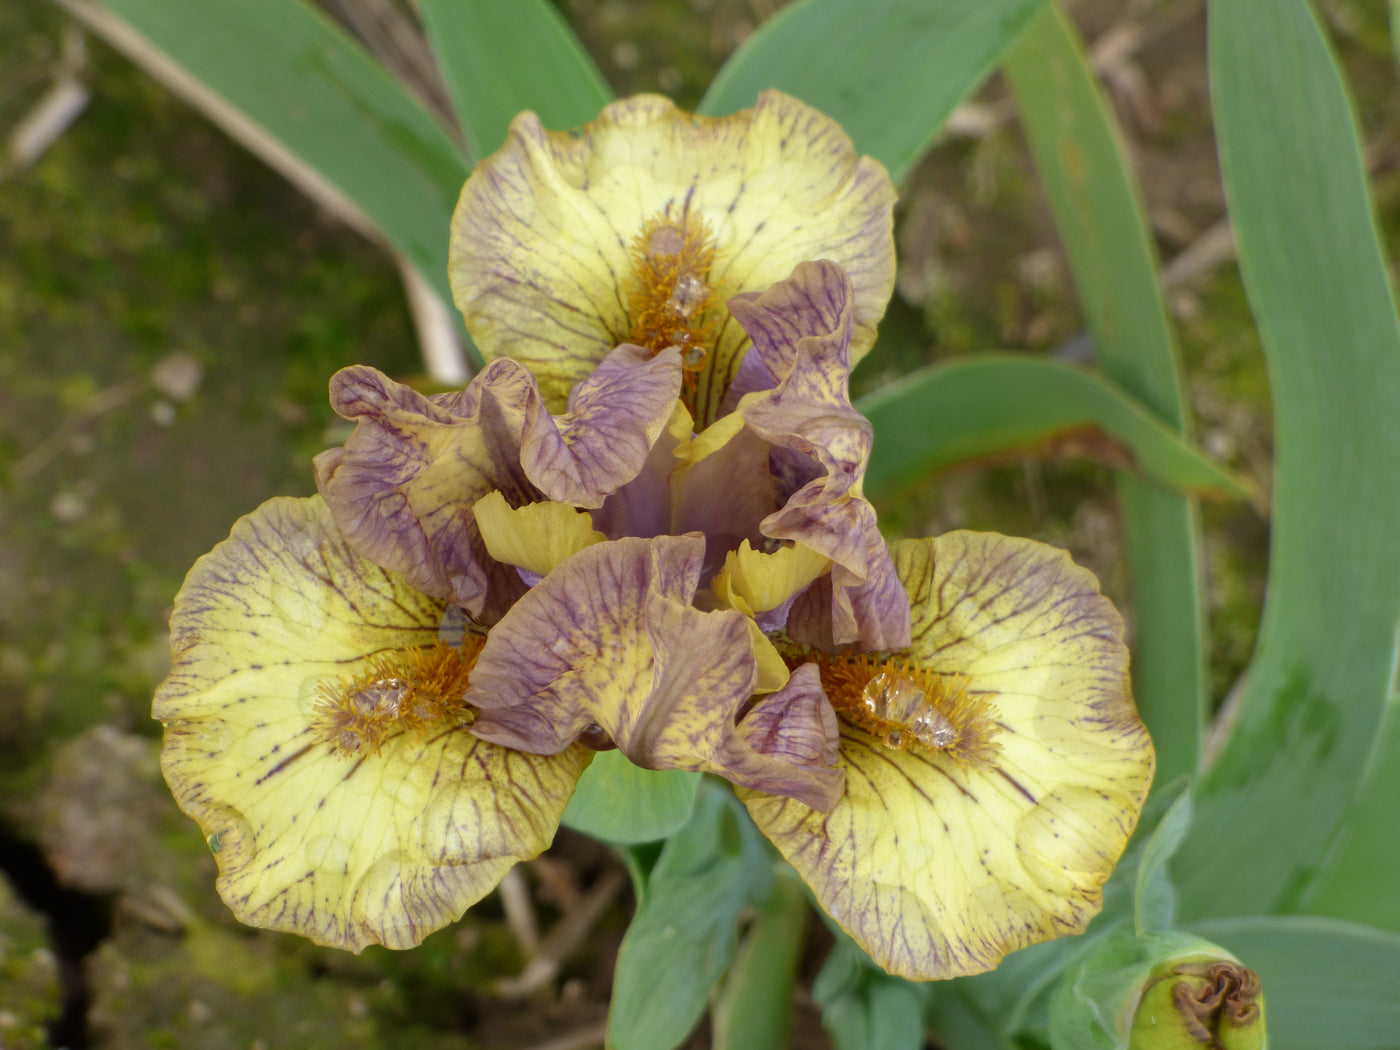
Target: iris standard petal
997,828
382,846
404,486
609,644
802,331
556,234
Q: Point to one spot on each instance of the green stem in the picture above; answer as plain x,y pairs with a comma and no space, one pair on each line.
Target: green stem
754,1006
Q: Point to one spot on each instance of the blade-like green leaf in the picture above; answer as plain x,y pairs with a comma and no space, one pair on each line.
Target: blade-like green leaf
1316,278
290,71
619,802
1326,983
994,404
683,936
961,1023
1357,880
1105,236
1154,899
888,71
864,1008
503,56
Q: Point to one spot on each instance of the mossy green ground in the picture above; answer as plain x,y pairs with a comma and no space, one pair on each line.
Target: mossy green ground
170,312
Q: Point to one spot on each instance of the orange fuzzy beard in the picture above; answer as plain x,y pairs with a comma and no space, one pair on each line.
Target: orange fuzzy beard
669,296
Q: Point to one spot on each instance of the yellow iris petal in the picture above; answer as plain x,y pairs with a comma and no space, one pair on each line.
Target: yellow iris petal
537,536
939,867
346,849
756,581
545,233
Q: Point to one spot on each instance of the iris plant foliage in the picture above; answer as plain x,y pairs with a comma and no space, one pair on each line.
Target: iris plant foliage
630,577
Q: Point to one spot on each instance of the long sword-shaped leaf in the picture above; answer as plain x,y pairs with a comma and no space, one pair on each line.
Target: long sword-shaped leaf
993,404
1101,222
1316,278
503,56
304,82
1357,880
864,1008
888,71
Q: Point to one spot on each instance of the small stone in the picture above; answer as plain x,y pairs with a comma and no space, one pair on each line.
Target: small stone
68,507
178,376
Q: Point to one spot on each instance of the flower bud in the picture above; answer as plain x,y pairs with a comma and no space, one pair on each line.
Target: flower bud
1161,991
1206,1001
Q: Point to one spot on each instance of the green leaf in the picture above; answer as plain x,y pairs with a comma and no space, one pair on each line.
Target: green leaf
1101,222
1357,881
1326,983
500,57
864,1008
683,935
998,404
1154,900
287,69
1317,280
961,1023
619,802
754,1010
888,71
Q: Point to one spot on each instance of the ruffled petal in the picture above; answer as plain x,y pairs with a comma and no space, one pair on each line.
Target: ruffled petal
404,486
382,847
610,642
543,235
802,331
939,867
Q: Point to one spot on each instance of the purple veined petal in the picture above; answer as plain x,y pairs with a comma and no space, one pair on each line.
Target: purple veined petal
812,302
796,721
873,612
609,641
404,486
615,417
725,492
642,507
802,328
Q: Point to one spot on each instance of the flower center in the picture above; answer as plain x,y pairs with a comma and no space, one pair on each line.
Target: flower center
908,708
418,691
669,296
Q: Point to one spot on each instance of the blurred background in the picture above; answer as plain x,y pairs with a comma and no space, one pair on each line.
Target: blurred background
170,312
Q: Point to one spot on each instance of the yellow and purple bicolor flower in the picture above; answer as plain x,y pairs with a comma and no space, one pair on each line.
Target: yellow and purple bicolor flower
642,526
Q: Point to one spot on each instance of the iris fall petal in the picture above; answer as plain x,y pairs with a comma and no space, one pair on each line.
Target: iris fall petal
938,866
381,847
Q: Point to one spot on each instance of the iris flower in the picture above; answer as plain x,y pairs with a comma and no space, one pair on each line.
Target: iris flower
642,527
